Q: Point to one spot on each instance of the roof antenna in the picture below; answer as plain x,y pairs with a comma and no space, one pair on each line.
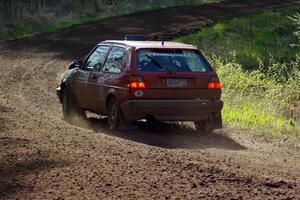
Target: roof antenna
163,43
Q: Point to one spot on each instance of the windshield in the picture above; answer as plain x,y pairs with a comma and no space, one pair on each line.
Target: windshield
153,60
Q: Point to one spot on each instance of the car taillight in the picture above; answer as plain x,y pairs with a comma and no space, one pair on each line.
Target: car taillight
136,82
214,83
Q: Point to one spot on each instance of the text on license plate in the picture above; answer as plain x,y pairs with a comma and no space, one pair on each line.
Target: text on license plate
176,82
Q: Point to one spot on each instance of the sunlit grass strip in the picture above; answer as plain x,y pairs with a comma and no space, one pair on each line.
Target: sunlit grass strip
245,116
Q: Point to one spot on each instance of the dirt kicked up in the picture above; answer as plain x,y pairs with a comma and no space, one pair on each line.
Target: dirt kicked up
44,157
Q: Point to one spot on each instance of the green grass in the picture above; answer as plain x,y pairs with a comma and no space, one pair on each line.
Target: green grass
253,100
30,28
259,69
251,40
246,116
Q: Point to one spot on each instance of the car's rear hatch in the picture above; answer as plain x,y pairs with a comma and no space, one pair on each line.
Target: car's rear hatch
175,74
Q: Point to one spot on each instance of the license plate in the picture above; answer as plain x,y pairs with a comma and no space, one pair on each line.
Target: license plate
176,83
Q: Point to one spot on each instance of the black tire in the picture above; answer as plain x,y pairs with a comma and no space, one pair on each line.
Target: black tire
151,122
70,111
203,127
115,117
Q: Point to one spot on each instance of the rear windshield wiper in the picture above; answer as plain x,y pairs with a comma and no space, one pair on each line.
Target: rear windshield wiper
157,64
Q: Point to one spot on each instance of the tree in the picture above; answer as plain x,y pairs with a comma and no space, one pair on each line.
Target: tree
13,10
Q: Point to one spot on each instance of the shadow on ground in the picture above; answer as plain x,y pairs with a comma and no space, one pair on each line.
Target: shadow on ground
15,166
167,135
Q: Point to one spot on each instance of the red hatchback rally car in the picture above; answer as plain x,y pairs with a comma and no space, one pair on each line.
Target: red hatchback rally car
131,80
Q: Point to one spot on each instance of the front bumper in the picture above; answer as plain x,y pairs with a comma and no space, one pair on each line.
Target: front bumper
58,93
173,110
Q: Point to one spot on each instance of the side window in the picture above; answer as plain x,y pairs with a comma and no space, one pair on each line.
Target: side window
127,57
114,60
97,58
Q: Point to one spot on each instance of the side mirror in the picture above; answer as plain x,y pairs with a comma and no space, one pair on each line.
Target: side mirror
76,63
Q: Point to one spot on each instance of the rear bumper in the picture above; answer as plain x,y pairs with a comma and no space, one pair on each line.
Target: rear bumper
174,110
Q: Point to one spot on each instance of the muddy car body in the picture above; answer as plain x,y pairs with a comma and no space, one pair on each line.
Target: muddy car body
153,80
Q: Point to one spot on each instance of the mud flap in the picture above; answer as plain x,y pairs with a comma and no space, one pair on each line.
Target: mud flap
215,122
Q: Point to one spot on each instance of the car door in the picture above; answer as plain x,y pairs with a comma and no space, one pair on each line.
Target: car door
82,75
94,96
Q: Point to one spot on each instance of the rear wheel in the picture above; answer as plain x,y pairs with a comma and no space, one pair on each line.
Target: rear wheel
70,111
151,121
203,127
115,116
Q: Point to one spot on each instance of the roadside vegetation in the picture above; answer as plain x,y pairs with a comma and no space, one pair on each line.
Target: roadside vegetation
20,18
258,61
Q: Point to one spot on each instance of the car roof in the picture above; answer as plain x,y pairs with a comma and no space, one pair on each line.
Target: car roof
152,44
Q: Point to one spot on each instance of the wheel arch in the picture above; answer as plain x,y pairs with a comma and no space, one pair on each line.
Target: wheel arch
63,86
108,99
122,123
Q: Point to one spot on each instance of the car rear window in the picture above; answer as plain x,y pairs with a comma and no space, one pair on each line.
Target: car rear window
153,60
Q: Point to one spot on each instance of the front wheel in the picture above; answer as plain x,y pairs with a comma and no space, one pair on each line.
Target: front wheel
115,117
70,111
203,127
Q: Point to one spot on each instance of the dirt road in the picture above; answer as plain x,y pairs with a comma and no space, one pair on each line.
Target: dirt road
43,157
